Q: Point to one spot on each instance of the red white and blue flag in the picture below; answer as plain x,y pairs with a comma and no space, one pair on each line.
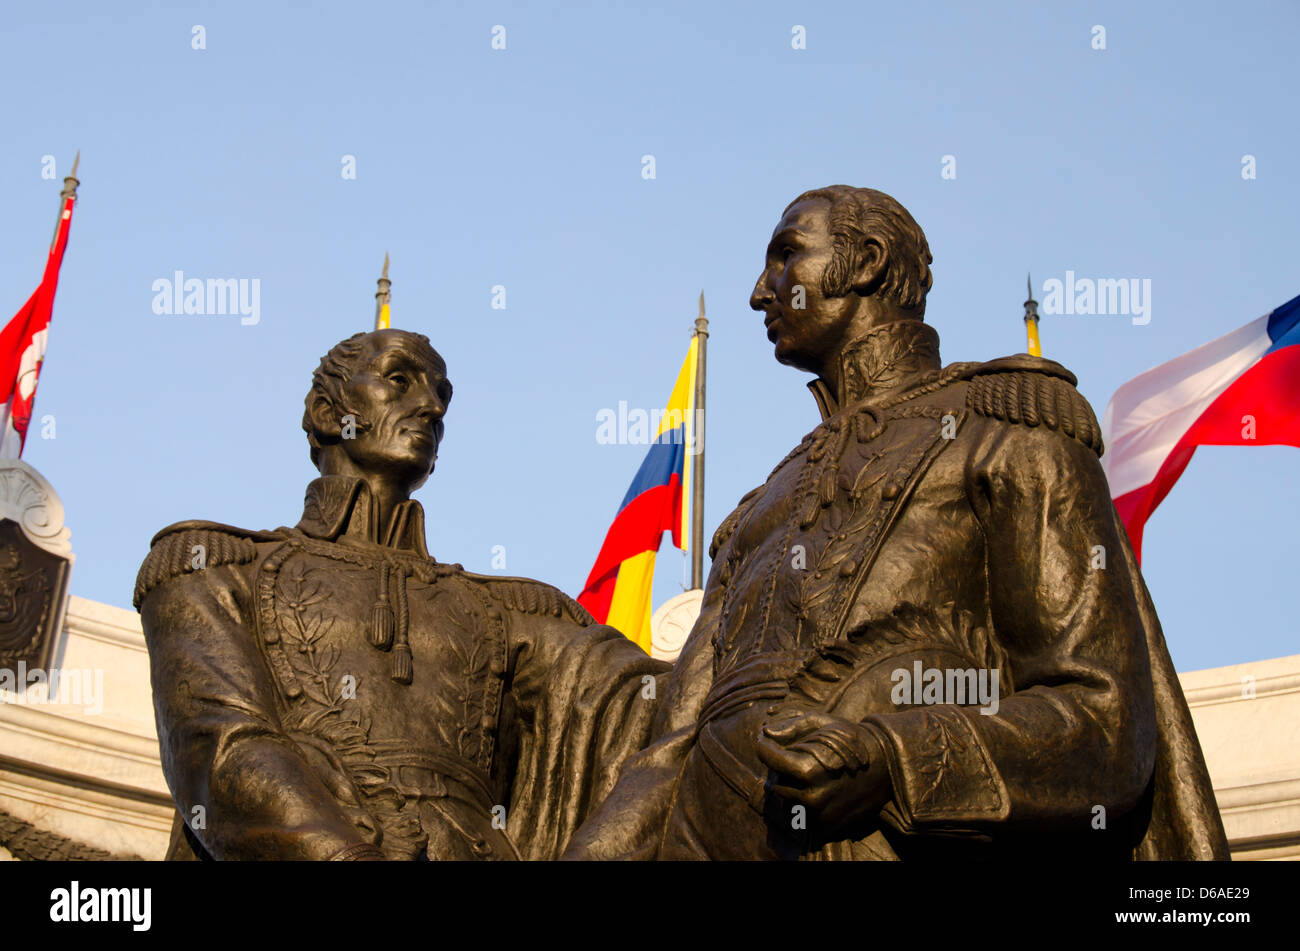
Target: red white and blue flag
1240,390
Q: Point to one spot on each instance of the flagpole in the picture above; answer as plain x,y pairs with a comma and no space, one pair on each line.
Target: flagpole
70,183
697,465
1035,348
382,298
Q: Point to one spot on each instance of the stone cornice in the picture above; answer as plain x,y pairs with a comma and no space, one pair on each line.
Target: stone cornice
40,740
104,622
1227,684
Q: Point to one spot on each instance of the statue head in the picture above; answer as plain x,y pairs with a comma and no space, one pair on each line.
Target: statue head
841,261
375,408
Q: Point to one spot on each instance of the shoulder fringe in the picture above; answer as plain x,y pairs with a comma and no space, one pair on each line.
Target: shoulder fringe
1035,397
534,597
174,550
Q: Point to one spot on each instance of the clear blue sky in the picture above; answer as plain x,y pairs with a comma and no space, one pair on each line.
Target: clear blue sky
522,167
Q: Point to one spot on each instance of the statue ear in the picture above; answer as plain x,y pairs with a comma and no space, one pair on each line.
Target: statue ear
871,263
325,420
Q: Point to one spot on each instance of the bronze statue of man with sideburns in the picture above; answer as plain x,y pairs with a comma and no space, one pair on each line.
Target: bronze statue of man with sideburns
925,635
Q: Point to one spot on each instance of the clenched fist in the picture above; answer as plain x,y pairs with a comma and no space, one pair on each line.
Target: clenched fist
834,767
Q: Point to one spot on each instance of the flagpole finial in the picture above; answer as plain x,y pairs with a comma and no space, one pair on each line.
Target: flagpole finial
383,296
1035,348
70,183
702,322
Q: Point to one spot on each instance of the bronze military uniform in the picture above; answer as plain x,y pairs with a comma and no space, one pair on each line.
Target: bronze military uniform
953,518
330,691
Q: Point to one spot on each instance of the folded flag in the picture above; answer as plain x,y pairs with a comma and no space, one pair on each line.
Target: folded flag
619,587
1240,390
22,341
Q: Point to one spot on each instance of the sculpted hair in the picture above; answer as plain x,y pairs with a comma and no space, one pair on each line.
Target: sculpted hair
859,213
337,367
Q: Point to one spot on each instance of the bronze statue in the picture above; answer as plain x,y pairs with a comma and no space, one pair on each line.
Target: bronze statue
925,635
330,691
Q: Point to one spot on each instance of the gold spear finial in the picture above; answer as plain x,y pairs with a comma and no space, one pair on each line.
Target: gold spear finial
1035,348
382,298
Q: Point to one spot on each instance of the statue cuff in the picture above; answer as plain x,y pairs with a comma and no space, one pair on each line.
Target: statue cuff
941,773
364,852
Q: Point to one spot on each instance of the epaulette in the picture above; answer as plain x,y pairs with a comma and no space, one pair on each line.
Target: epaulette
173,551
532,597
1034,392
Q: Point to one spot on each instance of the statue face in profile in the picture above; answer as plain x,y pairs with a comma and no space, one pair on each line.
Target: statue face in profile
841,262
803,321
376,408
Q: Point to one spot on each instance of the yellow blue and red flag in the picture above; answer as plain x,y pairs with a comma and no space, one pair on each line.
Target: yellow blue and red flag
619,587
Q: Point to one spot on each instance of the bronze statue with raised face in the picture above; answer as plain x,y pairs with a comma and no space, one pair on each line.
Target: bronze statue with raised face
925,635
330,691
393,390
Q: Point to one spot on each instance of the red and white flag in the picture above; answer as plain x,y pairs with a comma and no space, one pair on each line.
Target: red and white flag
1240,390
22,342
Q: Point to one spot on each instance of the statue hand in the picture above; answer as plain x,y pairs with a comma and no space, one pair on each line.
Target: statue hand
834,767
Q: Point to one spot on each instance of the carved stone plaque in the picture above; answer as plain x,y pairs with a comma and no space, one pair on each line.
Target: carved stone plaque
35,561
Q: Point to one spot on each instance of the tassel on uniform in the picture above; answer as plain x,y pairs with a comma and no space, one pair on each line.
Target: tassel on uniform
381,615
402,649
402,664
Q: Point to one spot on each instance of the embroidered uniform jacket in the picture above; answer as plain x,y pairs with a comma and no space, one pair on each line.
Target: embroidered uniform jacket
331,691
952,519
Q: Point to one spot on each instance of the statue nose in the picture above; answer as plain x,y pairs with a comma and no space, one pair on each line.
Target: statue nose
763,296
431,412
429,406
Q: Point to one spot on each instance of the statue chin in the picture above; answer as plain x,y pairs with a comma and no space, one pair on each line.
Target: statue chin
782,352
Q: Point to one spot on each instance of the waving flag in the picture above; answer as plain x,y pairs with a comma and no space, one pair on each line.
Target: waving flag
1240,390
22,341
619,587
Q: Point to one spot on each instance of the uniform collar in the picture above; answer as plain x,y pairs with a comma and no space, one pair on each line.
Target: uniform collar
883,359
340,508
